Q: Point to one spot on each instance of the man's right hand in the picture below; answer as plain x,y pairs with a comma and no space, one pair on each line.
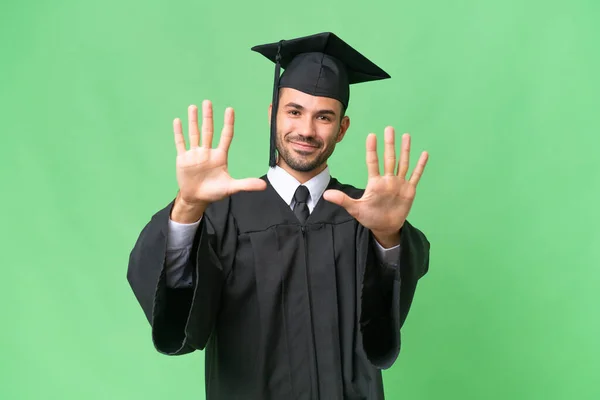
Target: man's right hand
202,173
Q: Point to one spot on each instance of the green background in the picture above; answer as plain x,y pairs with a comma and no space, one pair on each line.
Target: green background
503,94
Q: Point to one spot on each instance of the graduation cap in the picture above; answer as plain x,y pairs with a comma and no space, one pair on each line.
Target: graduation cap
319,65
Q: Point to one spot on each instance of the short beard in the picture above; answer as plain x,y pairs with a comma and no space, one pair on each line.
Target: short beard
301,165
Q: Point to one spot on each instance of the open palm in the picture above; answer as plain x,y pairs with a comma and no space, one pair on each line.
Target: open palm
388,198
202,173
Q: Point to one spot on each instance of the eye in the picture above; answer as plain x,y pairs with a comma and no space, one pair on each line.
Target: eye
324,118
294,112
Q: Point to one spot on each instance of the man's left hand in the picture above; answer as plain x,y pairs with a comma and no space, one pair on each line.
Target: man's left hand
388,198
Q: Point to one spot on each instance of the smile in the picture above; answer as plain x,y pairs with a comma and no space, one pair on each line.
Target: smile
303,146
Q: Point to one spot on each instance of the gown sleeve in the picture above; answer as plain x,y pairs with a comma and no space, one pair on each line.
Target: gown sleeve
183,318
387,294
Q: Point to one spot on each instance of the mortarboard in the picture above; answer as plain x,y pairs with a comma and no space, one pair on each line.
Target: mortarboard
319,65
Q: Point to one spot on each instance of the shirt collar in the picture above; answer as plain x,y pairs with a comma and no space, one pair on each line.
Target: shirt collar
286,185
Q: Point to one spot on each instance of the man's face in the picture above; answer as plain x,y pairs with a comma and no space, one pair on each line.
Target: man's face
308,128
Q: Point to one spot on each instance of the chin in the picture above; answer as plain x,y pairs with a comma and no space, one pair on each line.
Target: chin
302,164
303,167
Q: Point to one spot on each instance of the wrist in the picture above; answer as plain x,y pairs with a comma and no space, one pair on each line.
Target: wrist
186,213
387,240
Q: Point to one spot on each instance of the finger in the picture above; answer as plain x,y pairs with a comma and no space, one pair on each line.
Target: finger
389,152
227,132
404,156
343,200
372,160
193,126
207,124
248,184
418,171
179,139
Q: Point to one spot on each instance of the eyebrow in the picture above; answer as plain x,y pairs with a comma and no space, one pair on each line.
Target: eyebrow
300,108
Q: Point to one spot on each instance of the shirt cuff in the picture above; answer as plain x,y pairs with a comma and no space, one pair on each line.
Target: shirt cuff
388,256
181,235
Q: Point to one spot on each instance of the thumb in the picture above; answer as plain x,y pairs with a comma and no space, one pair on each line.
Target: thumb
341,199
248,184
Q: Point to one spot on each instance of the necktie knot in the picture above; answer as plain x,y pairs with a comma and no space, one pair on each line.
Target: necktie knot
301,195
301,208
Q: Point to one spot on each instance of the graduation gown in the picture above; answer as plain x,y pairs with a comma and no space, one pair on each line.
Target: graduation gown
283,310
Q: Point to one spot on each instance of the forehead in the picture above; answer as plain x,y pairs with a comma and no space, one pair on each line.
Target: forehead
289,95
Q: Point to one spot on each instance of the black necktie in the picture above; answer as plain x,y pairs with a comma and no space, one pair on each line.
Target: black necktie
301,208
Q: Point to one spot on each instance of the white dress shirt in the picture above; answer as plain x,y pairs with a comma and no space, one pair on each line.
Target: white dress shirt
181,236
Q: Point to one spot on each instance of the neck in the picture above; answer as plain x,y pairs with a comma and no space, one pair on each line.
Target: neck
302,176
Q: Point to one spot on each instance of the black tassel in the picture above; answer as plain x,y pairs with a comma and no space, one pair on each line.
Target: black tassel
273,145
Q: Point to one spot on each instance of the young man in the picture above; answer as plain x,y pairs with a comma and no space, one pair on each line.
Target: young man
295,284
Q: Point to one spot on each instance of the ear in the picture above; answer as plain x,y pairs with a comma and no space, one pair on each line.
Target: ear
270,110
344,125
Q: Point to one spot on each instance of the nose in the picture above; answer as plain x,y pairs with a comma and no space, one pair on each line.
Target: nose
305,127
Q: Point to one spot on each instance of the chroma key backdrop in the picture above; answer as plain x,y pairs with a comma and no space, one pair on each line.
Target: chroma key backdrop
502,94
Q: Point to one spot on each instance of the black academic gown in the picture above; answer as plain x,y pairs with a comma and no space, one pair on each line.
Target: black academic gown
285,311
